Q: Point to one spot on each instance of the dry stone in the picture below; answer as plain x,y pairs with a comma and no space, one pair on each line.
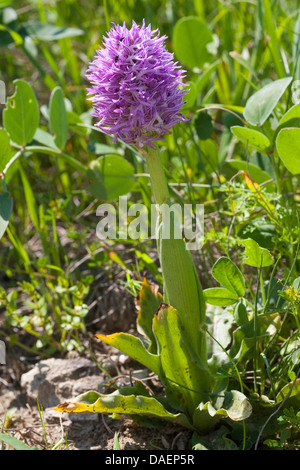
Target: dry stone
53,381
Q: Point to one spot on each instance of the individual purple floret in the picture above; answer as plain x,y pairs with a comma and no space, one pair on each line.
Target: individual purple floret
135,85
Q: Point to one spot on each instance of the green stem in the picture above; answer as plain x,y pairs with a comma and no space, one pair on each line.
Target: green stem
181,281
262,288
158,179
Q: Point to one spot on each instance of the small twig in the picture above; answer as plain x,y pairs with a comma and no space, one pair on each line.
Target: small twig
106,425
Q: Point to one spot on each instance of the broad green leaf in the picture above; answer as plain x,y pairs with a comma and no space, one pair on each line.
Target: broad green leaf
183,379
58,120
286,389
264,234
134,348
291,118
112,176
21,115
120,404
252,138
240,313
5,149
233,405
261,104
149,300
49,32
191,51
229,276
15,443
288,148
255,255
203,125
219,296
6,205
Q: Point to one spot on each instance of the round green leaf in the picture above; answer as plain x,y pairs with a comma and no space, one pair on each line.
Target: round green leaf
203,126
261,104
255,255
288,148
21,115
229,276
252,138
191,38
220,296
112,176
292,115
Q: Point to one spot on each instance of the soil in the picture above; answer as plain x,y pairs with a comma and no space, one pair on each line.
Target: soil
22,418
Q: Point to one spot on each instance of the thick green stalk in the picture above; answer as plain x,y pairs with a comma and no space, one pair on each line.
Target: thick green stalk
181,282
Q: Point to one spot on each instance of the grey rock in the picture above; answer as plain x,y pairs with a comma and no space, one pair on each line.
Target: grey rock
55,381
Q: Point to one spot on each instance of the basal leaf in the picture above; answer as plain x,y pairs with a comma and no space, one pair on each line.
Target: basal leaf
233,405
120,404
149,300
229,276
134,348
21,115
183,379
261,104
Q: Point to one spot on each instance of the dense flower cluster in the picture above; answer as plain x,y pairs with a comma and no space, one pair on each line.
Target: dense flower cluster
135,85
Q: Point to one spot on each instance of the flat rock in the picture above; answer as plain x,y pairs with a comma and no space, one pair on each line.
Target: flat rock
53,380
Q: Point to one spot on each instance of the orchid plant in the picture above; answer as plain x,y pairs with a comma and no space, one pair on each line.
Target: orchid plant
137,93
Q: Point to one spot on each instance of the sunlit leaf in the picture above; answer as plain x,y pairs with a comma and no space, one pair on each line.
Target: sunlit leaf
229,276
288,147
149,300
261,104
255,255
112,176
188,49
131,405
220,296
134,348
21,115
252,138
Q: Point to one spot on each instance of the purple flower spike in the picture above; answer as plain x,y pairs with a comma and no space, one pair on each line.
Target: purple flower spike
135,85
